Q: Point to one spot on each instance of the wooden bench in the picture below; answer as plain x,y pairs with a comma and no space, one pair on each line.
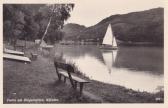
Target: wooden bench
67,71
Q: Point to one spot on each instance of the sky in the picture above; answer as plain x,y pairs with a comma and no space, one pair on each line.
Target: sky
90,12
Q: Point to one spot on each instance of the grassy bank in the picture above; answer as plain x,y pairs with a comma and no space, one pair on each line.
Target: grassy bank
38,83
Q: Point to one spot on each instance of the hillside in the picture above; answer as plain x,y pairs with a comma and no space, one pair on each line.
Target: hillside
71,30
144,26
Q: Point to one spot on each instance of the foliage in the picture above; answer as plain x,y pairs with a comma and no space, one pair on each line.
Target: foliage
72,30
29,21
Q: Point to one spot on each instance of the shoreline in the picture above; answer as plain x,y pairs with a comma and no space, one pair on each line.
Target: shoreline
38,80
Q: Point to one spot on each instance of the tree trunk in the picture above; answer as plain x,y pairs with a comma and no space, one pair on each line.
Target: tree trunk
46,30
47,26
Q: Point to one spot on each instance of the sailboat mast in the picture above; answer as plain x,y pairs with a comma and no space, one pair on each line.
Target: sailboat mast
112,40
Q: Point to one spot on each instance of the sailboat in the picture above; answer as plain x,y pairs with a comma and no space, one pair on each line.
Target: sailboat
109,41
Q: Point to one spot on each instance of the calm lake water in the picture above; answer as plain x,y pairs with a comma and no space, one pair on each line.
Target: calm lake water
137,68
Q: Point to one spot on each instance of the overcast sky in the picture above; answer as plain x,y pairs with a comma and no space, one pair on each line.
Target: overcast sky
90,12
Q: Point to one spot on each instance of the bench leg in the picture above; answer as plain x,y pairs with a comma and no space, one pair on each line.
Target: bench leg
81,88
64,79
71,81
59,77
75,84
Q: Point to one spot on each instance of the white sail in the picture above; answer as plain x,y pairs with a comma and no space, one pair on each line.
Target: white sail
114,43
108,36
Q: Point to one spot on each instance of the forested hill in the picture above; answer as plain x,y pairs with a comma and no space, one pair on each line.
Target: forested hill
144,26
71,30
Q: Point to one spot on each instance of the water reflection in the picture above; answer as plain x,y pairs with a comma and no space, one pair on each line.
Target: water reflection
135,68
109,58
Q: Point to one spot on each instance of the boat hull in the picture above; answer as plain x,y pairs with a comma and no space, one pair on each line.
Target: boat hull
108,47
8,51
16,58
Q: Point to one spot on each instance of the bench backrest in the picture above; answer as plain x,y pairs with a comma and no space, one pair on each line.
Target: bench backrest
64,66
68,68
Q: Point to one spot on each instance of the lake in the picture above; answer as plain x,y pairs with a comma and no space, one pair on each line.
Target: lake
137,68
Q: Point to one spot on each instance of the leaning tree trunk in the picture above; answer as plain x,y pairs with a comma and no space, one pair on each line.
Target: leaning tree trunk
47,26
46,30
